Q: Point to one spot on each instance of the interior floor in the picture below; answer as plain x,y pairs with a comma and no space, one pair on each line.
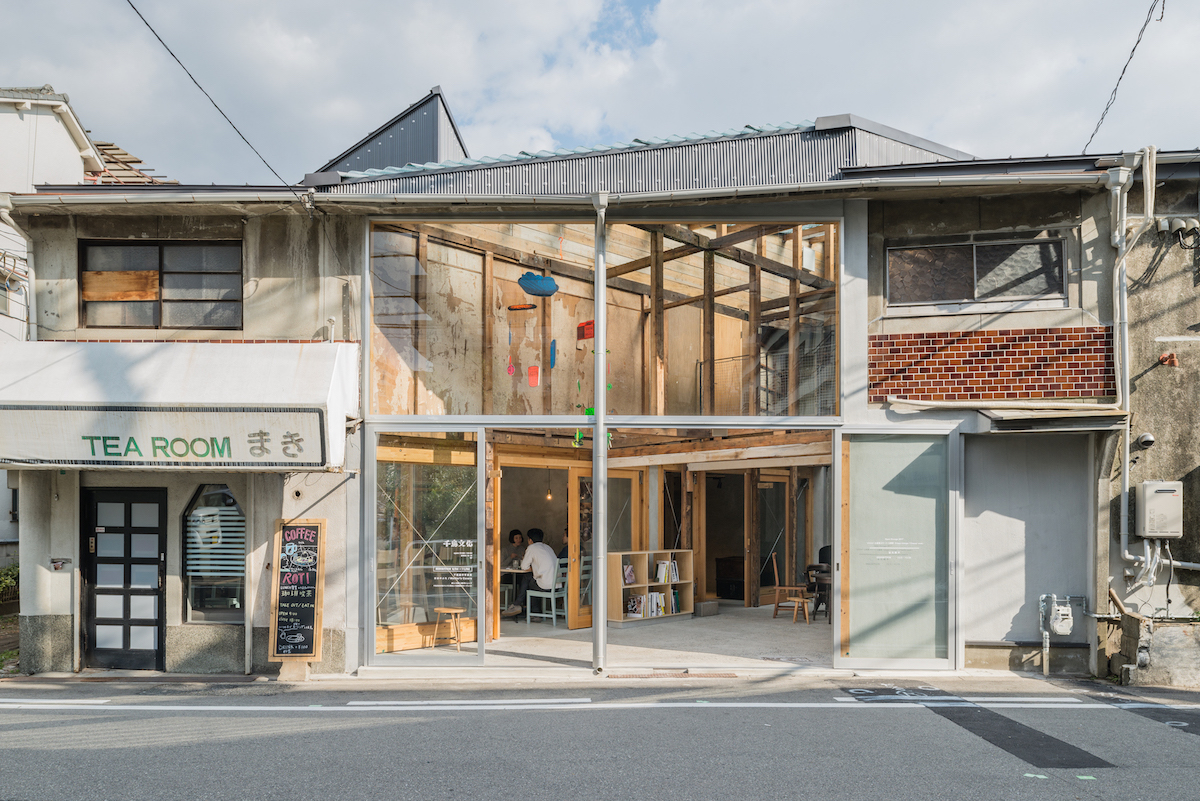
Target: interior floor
738,637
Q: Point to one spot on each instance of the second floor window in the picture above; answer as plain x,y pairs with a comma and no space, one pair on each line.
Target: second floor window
161,285
1003,271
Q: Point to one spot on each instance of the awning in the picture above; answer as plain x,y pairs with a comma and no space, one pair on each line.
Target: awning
176,405
1054,420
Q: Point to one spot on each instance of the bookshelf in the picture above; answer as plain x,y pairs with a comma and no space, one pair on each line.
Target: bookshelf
676,588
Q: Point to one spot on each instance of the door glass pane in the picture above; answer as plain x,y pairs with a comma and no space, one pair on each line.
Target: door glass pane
143,575
620,514
772,530
586,545
145,515
426,529
110,545
897,572
144,546
143,607
110,514
109,637
110,575
110,606
143,638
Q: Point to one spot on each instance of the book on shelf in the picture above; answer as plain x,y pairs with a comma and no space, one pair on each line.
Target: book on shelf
674,570
627,571
662,572
674,602
634,605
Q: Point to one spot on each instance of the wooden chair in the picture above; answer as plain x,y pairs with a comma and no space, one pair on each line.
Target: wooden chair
559,590
796,595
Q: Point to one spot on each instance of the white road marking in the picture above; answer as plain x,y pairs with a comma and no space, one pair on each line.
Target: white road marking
473,702
1033,699
55,701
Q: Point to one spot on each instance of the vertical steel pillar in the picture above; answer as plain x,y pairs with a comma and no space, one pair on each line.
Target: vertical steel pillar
600,445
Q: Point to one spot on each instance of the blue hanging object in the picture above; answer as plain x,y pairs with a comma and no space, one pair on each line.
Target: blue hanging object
553,351
542,286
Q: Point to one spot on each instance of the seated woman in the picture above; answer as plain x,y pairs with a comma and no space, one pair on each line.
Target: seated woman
514,549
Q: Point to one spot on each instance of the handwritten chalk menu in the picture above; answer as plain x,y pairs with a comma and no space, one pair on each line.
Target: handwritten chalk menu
298,583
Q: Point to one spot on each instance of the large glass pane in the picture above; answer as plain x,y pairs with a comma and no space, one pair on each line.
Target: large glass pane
426,528
481,318
201,314
121,257
202,286
620,514
772,529
740,320
899,532
215,554
133,314
927,275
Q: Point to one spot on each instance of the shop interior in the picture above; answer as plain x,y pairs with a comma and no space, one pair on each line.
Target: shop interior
704,319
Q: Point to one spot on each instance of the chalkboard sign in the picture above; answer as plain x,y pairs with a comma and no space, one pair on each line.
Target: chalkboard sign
296,589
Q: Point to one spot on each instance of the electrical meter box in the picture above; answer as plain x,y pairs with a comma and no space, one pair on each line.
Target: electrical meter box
1160,510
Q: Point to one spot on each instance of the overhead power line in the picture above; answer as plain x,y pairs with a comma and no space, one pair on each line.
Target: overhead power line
1113,96
210,99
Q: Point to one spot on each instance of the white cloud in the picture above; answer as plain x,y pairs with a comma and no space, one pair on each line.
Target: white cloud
306,79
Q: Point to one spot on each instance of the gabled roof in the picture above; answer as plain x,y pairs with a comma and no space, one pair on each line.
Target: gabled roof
413,133
46,96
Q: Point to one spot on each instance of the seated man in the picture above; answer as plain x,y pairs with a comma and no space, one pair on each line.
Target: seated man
540,557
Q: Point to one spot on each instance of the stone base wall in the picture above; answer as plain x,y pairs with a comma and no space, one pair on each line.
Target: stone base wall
1028,659
46,643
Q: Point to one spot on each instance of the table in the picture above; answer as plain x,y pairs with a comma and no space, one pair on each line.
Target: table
514,572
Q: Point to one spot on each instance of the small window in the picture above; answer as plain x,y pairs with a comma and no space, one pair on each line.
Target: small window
975,272
214,530
162,285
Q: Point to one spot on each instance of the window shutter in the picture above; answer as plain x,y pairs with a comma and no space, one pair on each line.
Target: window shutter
216,541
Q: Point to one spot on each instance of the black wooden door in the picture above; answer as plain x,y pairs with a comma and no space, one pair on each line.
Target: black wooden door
125,553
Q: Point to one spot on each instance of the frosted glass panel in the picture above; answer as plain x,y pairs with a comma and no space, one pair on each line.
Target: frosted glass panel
110,545
144,546
110,514
143,607
110,606
145,515
143,576
143,638
109,637
897,573
110,575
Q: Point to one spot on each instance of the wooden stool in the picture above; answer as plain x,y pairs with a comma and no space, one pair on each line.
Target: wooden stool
453,612
799,602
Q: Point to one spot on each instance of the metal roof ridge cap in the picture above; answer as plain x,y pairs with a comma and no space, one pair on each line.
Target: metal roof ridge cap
149,197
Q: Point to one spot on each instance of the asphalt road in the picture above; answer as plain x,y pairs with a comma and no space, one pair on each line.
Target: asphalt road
779,738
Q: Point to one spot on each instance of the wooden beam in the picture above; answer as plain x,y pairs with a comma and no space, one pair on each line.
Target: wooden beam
729,290
793,337
708,389
489,325
646,261
802,308
784,302
491,547
754,344
746,234
681,234
743,464
723,455
685,510
763,438
658,333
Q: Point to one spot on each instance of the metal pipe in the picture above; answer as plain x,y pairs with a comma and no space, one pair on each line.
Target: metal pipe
30,273
600,443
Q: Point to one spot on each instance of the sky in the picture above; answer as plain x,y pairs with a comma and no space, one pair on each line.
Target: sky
306,79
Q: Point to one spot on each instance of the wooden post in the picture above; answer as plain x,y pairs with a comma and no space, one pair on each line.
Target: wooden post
658,356
753,555
754,342
789,538
793,340
700,533
708,370
489,329
685,509
544,374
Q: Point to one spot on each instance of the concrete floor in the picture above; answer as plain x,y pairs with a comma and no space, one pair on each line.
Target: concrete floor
736,638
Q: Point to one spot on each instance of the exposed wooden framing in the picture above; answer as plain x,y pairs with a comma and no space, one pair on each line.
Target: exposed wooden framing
789,538
700,534
647,325
536,262
753,567
729,290
685,510
754,343
547,459
682,234
768,438
648,261
489,325
708,372
829,267
822,459
805,296
793,340
545,374
842,563
418,290
682,455
803,309
658,351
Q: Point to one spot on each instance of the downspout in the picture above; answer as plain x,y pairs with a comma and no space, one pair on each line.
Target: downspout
30,273
600,442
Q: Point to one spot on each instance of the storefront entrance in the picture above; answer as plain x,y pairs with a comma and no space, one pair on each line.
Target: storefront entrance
124,547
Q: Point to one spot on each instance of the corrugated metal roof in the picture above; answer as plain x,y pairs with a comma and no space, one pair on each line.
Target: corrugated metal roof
744,157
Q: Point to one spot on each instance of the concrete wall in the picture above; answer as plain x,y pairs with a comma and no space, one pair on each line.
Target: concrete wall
1164,301
523,503
297,273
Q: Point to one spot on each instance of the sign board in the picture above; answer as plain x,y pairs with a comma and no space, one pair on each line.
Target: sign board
288,438
297,588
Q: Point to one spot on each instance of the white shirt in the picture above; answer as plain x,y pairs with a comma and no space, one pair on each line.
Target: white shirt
541,558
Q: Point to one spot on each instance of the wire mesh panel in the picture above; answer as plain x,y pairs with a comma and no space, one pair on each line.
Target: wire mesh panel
735,393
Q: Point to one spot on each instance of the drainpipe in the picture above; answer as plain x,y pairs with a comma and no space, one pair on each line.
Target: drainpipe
600,444
30,274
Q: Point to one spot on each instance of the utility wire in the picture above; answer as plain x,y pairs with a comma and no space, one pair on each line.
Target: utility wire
1112,98
214,103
